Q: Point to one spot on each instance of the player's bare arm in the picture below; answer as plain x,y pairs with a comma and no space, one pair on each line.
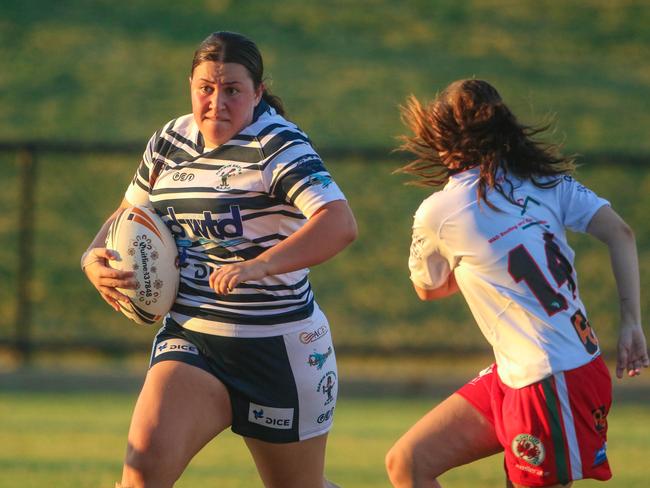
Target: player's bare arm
94,264
326,233
608,227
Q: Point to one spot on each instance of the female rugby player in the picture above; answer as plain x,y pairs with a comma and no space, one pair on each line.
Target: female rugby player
496,232
251,207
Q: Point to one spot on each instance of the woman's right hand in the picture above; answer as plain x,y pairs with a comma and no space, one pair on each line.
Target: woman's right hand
106,279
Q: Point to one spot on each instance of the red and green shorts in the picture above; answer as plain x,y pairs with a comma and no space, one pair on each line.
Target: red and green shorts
553,431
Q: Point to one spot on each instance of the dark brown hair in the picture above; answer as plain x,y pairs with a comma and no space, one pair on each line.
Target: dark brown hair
468,125
230,47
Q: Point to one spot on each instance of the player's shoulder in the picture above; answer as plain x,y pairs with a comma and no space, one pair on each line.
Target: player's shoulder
183,125
440,205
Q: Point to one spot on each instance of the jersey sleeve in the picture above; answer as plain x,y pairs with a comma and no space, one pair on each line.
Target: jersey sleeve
137,192
298,177
428,267
579,204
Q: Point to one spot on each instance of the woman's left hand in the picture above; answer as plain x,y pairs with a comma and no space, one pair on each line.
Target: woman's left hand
226,278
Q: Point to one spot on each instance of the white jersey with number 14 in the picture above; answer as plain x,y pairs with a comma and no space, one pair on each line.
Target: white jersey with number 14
514,267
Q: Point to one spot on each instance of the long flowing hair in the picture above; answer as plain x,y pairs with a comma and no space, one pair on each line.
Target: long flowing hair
467,126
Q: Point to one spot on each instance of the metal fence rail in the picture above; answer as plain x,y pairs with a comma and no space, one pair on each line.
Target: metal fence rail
37,171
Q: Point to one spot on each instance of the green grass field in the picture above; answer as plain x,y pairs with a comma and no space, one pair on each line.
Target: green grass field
115,70
77,440
95,71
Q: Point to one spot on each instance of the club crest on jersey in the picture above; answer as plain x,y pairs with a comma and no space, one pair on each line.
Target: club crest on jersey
529,448
226,172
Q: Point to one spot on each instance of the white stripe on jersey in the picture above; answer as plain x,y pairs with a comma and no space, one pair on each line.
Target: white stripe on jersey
569,426
230,204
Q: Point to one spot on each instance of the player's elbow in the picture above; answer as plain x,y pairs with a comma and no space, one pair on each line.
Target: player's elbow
626,231
351,230
424,294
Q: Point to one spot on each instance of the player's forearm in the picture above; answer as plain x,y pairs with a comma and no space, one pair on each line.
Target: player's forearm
326,234
625,265
608,227
100,237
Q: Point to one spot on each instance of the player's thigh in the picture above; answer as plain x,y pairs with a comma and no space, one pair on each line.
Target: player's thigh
290,465
452,434
180,409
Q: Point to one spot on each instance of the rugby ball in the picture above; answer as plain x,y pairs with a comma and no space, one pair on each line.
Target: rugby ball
145,246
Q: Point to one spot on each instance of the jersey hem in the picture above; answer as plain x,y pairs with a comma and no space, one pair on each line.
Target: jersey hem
246,331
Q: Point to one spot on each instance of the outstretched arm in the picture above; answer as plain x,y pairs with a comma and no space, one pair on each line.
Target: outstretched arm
608,227
326,233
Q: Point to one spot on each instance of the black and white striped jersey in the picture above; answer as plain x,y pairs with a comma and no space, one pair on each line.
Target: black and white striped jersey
229,204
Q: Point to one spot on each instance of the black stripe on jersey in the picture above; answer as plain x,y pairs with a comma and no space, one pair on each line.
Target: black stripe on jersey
243,137
218,307
307,150
287,181
233,318
286,213
138,181
270,237
239,154
245,254
295,286
240,298
252,286
217,205
271,127
218,163
302,188
279,140
184,140
168,150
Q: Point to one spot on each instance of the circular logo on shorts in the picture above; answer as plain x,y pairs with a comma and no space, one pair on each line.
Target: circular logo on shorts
529,448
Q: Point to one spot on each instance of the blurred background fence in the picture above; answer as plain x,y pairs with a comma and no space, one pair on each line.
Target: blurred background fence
56,195
80,78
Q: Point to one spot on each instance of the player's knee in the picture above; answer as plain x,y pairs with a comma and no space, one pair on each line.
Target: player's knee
148,463
408,464
399,465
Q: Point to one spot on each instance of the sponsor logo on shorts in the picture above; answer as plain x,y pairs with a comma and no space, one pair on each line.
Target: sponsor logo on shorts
314,335
326,386
529,448
274,418
600,418
325,416
601,455
175,345
318,359
529,469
